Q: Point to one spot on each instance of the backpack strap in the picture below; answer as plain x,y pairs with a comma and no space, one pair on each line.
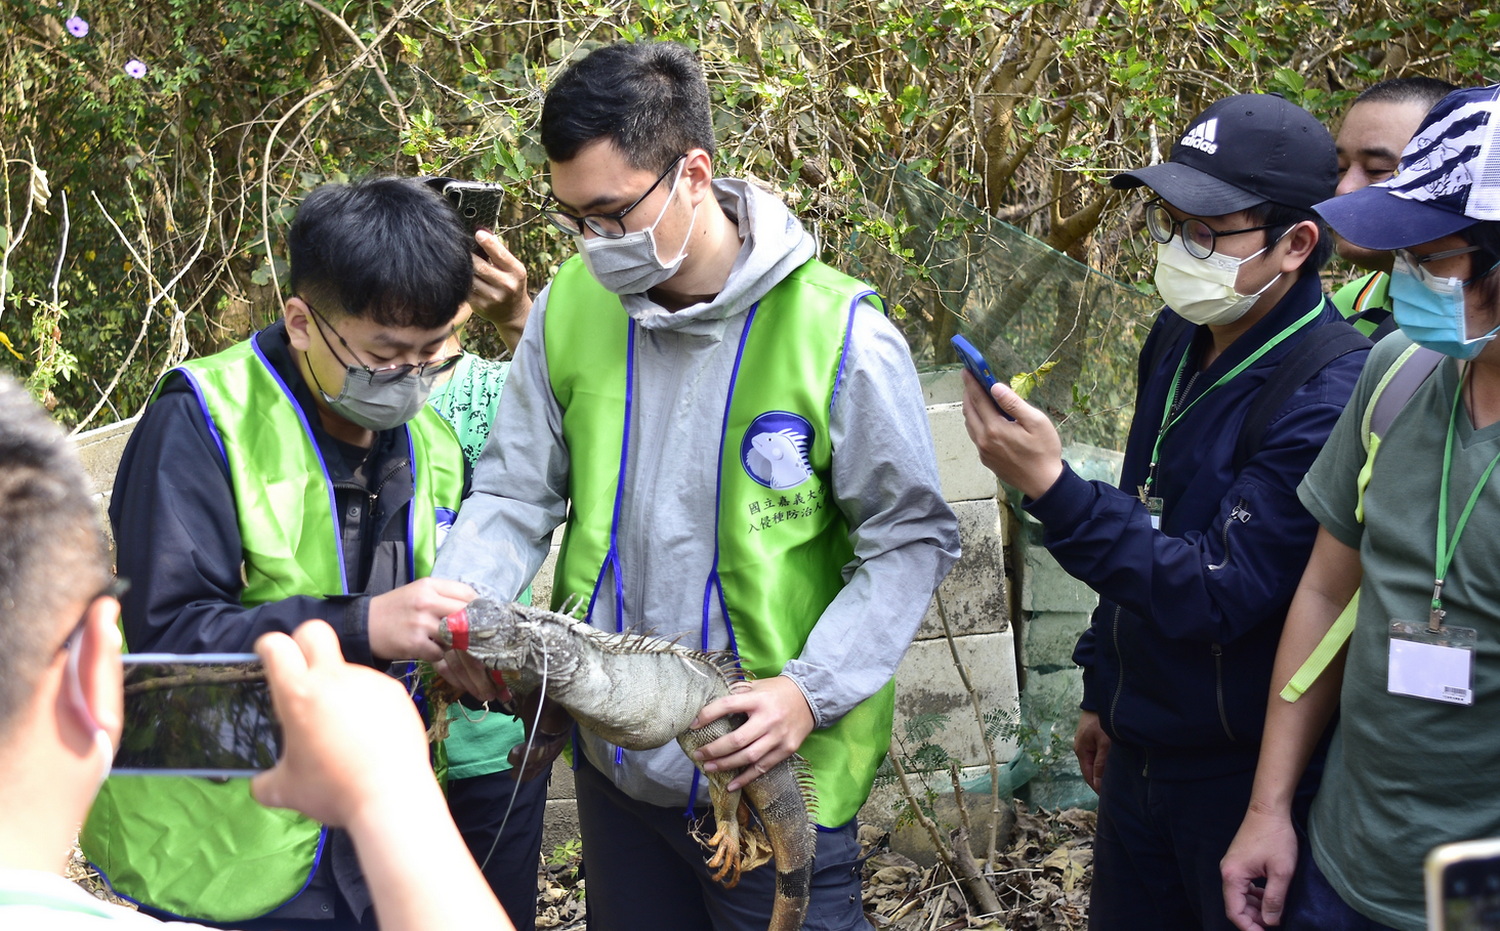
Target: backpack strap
1316,350
1395,388
1380,322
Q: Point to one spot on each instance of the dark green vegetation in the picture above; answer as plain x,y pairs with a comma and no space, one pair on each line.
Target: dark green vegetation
143,215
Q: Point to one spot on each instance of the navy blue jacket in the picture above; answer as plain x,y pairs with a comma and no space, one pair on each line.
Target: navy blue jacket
1177,659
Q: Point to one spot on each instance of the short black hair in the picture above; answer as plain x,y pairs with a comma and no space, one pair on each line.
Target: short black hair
386,249
1420,90
1282,217
52,551
649,98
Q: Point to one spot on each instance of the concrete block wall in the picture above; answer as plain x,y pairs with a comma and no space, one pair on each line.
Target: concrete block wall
1055,609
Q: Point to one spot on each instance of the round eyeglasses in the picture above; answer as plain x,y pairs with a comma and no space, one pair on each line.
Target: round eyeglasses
386,374
1198,238
607,225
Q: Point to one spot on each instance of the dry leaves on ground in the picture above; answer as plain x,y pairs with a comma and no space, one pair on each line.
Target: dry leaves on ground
1042,881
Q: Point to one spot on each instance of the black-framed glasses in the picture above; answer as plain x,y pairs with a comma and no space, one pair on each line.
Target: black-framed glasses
117,586
1198,237
608,225
1417,262
388,374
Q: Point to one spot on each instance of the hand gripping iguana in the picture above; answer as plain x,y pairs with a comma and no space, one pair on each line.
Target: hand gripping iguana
638,692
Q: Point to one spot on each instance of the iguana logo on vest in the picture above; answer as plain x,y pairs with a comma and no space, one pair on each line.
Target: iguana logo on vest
444,517
774,450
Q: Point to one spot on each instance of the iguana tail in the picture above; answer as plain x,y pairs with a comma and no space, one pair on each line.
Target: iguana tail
782,800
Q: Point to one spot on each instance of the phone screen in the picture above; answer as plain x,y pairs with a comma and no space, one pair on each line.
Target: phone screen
1471,895
197,715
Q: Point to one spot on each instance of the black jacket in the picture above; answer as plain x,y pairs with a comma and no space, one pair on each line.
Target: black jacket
1177,659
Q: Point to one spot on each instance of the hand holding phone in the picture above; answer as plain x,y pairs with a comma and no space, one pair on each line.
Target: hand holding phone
975,362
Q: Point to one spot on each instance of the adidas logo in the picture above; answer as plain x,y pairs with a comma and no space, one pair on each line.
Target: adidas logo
1202,137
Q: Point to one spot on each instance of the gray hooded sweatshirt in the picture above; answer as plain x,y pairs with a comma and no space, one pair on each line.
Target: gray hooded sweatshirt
884,480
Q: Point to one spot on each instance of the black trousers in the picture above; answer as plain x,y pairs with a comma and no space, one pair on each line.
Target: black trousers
645,872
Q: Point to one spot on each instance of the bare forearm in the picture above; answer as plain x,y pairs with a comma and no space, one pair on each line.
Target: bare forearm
1293,728
421,875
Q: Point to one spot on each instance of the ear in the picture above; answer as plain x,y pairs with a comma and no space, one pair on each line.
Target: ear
298,323
99,672
698,175
1299,243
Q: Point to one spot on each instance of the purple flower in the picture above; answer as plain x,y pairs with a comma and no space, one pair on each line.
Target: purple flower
77,26
135,68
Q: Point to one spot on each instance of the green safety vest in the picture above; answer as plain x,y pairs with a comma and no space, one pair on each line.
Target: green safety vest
206,849
782,541
1363,296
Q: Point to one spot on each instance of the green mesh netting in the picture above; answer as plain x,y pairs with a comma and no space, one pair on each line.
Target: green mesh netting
1020,301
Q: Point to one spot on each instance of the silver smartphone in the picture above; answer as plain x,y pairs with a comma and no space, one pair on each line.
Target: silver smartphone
197,715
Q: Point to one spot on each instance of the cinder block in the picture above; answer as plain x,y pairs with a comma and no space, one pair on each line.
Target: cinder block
929,683
974,593
1050,638
1045,586
945,386
541,584
100,449
1094,462
559,824
963,477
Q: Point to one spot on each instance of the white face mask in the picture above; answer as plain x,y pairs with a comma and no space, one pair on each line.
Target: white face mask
632,264
1202,290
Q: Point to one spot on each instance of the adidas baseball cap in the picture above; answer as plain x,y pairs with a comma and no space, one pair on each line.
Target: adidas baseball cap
1448,180
1242,151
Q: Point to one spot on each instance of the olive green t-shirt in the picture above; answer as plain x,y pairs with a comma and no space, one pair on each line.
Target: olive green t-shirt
1405,774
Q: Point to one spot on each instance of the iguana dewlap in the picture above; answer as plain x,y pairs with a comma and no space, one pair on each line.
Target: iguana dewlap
640,692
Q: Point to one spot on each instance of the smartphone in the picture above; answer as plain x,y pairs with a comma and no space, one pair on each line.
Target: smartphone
1463,886
203,714
975,362
477,202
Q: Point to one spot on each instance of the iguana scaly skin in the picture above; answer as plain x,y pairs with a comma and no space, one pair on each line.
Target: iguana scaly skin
639,692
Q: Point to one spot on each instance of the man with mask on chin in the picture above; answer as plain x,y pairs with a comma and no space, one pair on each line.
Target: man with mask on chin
299,474
1196,554
736,439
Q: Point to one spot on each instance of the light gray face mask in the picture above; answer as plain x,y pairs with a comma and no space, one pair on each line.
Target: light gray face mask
379,405
632,264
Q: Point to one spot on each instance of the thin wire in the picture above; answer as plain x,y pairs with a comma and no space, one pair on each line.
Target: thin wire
530,742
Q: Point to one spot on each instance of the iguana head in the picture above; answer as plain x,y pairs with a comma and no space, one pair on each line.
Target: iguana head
488,629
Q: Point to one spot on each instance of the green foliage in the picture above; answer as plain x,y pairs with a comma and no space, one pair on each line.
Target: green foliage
180,182
566,854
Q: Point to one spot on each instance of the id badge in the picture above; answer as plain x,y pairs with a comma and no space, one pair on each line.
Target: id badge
1435,665
1154,508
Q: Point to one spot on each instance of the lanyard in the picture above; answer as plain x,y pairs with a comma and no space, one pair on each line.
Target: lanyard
1446,544
1168,420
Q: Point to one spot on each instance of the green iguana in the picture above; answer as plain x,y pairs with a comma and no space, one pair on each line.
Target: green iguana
638,692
